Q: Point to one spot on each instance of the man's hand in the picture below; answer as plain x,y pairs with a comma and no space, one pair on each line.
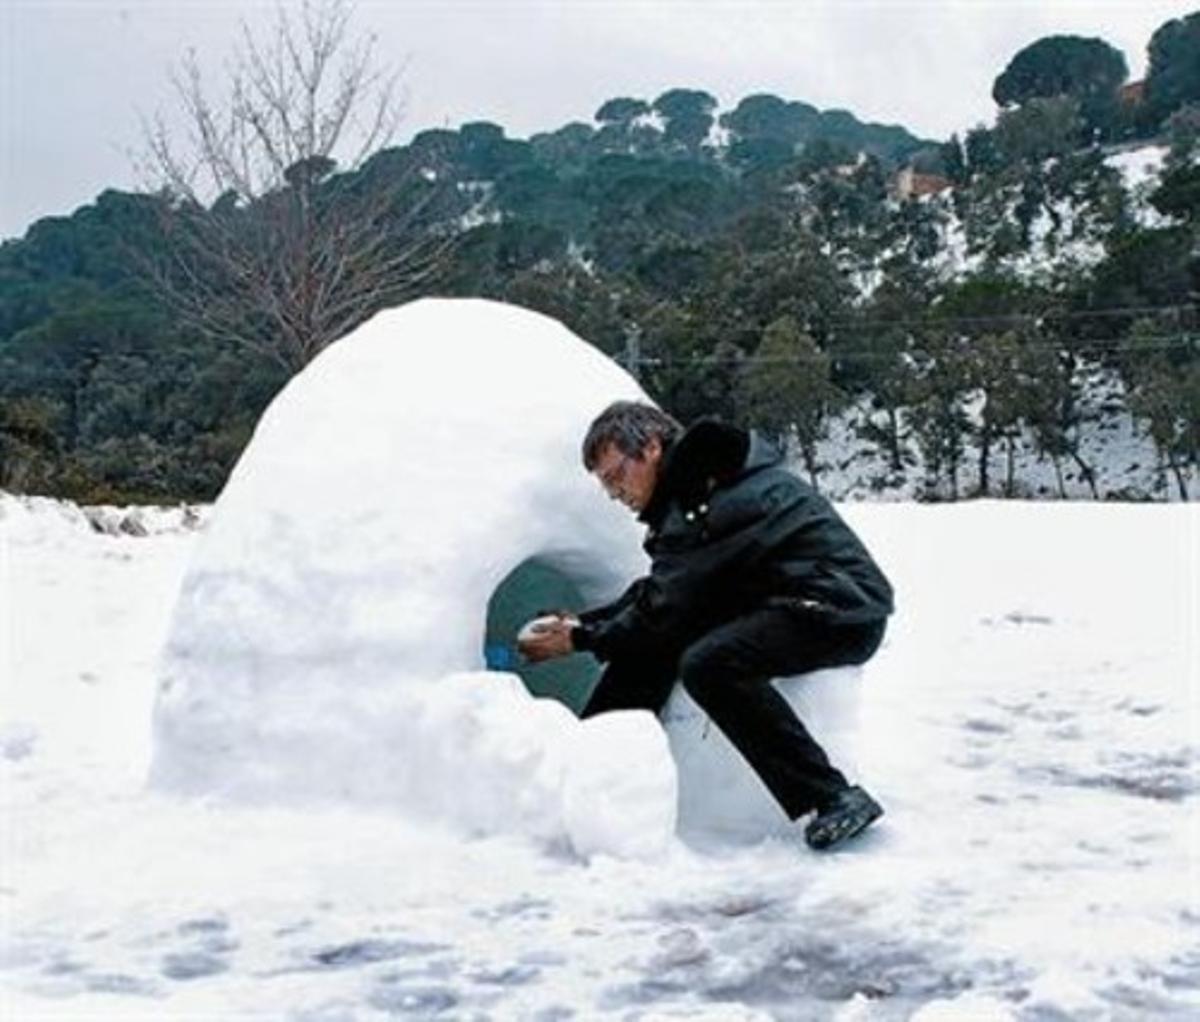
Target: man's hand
547,638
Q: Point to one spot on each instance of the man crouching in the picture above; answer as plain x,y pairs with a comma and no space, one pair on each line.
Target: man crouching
753,576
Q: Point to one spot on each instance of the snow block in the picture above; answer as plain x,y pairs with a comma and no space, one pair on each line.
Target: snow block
718,792
620,790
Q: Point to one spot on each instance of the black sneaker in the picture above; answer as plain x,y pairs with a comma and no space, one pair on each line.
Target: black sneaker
850,813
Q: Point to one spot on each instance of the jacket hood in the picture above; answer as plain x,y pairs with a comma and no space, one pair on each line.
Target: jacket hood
710,453
762,453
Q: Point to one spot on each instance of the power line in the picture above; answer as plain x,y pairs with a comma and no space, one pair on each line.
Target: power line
1036,318
935,320
1149,342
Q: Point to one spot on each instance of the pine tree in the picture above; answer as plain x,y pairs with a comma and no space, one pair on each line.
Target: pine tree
787,390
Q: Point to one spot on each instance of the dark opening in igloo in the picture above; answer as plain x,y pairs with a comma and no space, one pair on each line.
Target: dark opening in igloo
529,588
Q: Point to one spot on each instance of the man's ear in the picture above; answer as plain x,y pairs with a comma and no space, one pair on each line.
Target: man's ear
653,449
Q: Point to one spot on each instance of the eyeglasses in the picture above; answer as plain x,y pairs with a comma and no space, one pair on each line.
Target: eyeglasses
612,477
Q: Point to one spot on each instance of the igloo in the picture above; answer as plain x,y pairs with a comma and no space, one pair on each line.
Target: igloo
328,644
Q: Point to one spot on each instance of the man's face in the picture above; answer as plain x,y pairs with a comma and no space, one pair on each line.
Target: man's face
627,478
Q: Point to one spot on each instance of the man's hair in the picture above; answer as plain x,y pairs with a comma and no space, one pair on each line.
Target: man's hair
629,426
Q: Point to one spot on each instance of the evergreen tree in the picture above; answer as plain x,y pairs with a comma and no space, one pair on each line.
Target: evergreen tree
28,444
787,390
1173,72
1088,70
1169,404
766,117
941,385
688,117
621,127
997,374
1162,371
1183,134
1039,129
1055,403
622,111
885,366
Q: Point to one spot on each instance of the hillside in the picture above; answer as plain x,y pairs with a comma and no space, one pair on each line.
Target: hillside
1014,291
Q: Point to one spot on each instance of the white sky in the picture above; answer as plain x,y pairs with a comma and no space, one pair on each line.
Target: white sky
75,73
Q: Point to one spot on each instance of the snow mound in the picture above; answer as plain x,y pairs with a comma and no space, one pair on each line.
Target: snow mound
33,520
718,795
327,645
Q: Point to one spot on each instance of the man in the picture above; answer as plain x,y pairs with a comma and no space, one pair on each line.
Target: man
753,576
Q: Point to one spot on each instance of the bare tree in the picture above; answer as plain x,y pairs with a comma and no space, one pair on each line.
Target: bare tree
271,243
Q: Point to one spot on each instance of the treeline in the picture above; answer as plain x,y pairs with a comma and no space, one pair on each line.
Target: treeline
771,263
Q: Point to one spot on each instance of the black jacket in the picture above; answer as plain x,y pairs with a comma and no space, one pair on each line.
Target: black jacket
730,530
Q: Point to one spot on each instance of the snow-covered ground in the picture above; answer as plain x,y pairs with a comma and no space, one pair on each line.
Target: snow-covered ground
1032,724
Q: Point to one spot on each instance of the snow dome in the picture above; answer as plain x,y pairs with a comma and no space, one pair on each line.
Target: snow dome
332,634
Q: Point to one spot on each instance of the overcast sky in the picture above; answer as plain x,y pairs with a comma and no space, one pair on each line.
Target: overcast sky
76,74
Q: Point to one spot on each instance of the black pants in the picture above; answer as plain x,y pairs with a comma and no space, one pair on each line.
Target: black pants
728,672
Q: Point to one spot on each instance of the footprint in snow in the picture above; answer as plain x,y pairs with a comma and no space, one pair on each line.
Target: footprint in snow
512,975
419,1002
368,952
193,965
119,983
986,726
212,945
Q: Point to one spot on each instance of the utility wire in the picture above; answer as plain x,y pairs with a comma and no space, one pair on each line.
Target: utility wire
1150,342
934,321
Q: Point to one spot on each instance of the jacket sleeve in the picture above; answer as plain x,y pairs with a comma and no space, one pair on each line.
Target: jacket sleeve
652,613
598,615
664,606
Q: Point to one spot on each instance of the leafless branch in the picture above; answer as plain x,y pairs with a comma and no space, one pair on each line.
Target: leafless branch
269,248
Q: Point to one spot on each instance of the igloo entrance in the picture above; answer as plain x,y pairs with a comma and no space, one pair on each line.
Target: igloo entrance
532,586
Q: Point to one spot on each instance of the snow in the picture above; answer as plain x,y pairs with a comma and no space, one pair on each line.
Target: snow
968,1006
1031,726
1140,164
482,211
718,796
1141,168
1073,238
1116,446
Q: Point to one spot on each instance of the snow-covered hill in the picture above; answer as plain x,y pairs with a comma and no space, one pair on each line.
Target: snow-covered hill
1112,443
1030,725
1067,235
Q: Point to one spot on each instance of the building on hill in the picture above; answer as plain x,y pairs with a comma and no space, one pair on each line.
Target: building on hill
1132,94
909,183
